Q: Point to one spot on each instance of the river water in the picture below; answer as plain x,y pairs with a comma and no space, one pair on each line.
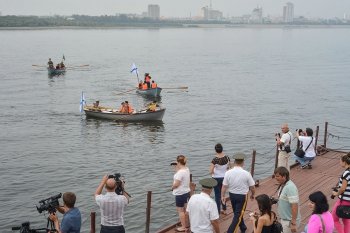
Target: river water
243,83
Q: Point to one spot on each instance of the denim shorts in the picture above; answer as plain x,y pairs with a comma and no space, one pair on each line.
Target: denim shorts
181,200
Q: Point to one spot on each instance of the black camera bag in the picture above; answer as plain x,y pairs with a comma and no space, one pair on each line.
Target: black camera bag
300,152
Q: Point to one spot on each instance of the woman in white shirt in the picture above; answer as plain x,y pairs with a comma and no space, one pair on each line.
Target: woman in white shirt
181,189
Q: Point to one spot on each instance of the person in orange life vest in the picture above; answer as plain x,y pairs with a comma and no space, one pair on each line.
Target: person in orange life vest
140,85
144,86
153,85
122,108
148,80
128,107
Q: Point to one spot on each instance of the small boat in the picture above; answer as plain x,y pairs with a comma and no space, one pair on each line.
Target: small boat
113,114
54,71
153,92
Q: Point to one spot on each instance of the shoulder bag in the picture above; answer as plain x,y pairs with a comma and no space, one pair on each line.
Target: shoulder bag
276,225
323,227
287,147
300,152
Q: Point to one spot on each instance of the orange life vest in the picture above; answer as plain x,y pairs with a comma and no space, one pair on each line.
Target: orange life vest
154,85
144,86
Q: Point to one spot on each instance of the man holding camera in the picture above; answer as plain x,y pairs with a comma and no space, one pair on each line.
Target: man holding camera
71,221
283,144
288,201
111,205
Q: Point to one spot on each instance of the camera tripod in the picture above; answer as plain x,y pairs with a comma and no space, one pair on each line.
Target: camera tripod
25,228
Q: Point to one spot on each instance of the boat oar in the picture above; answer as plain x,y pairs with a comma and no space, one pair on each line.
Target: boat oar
175,88
39,65
125,91
81,65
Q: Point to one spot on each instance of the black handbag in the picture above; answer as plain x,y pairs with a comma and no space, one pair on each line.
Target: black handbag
287,147
300,152
343,211
276,226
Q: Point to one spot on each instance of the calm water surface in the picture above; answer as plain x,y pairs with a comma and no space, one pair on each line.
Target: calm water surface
243,84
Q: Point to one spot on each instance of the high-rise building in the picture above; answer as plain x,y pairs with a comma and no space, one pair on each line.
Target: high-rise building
288,12
257,15
209,14
154,11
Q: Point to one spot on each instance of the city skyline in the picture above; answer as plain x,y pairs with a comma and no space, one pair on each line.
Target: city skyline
180,8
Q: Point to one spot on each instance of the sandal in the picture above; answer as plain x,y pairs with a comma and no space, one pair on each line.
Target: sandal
180,229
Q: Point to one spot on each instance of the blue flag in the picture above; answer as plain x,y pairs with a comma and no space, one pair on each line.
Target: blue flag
134,69
82,102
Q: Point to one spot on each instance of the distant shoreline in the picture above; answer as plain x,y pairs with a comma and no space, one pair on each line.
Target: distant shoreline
181,26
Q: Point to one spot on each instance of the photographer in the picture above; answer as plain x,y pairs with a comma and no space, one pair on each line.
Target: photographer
71,221
343,193
283,144
308,144
111,205
288,201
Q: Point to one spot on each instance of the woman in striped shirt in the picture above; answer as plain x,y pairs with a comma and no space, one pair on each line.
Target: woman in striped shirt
219,165
343,194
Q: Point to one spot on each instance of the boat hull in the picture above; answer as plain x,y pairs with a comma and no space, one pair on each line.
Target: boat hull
154,92
56,71
135,117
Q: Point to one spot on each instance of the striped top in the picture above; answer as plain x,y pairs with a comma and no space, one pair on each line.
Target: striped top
112,208
220,166
345,176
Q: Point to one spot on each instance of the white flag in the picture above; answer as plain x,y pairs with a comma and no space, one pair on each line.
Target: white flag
134,69
82,102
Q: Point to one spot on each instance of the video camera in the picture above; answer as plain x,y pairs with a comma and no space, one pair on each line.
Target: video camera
273,200
335,189
49,204
119,181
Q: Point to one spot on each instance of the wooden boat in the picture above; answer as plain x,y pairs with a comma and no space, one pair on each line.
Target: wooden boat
153,92
54,71
113,114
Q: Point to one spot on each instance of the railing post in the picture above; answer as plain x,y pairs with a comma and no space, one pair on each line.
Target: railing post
92,222
148,211
316,139
252,167
325,134
276,158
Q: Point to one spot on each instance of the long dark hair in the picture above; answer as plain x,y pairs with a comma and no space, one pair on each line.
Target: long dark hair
320,201
264,204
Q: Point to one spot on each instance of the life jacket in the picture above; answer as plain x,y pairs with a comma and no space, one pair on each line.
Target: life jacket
129,109
154,85
140,85
144,86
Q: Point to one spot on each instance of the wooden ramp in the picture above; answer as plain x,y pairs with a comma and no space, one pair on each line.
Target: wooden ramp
322,177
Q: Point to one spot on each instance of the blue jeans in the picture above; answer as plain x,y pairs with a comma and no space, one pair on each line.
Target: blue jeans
217,191
303,161
239,203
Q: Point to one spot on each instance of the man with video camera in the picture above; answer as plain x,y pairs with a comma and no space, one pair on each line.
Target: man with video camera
283,144
111,204
71,221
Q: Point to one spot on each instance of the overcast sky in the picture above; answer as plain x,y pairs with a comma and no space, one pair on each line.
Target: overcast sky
172,8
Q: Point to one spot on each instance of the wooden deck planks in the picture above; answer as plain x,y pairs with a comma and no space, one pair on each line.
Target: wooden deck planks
322,177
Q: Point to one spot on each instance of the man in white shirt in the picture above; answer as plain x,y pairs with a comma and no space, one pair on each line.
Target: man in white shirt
308,143
111,205
238,182
283,144
202,210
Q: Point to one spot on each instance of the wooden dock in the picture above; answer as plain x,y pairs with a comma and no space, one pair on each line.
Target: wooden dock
322,177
